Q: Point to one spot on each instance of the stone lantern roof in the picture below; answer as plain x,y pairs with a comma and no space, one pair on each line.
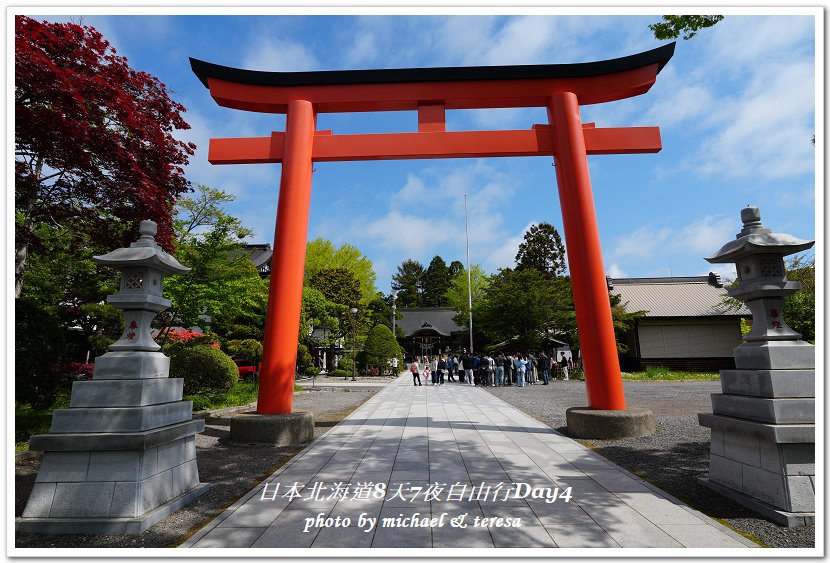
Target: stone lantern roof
144,252
754,238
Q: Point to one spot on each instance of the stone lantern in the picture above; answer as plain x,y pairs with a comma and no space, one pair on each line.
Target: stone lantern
763,424
123,456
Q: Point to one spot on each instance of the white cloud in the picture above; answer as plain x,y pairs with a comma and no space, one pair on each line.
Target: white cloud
615,271
279,55
705,235
641,243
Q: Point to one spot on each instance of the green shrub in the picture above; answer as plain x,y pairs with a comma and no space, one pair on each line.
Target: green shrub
380,347
38,346
305,363
203,368
340,373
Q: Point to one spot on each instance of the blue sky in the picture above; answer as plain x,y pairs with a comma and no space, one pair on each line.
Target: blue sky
736,107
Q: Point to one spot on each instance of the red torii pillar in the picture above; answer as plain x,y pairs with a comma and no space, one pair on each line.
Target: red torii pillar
430,92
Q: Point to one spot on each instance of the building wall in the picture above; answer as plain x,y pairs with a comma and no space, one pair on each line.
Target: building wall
702,344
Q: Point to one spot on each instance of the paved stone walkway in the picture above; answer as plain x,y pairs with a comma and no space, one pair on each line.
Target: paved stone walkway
427,455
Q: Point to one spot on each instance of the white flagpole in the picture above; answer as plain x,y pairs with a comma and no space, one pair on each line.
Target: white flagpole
469,283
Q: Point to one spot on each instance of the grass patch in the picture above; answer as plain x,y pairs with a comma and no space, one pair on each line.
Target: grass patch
242,393
29,421
665,374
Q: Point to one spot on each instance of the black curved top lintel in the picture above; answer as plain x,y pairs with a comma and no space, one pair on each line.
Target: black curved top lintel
204,70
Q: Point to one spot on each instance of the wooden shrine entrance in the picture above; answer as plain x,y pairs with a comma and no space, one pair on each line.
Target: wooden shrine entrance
561,88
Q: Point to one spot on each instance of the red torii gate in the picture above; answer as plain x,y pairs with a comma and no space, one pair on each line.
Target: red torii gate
561,88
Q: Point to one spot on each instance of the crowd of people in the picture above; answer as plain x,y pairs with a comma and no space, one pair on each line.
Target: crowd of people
496,370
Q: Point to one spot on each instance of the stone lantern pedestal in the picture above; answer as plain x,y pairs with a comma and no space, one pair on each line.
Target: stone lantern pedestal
763,424
123,456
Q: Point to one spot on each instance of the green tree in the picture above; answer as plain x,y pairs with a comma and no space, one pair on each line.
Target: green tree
338,285
322,255
672,26
380,312
64,282
542,250
223,283
436,282
524,306
800,307
408,281
455,267
457,292
380,347
624,321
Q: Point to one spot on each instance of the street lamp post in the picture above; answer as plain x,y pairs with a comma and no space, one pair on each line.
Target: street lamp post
353,311
394,312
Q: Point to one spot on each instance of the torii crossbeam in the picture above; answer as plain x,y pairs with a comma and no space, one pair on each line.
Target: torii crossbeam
430,92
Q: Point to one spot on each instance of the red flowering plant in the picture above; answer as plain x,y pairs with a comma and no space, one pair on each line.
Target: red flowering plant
183,338
74,371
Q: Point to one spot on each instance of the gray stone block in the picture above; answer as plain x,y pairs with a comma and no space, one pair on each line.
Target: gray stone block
766,486
185,477
778,433
771,456
777,411
725,471
114,466
274,429
40,500
769,383
716,446
82,500
171,454
786,354
190,448
584,422
120,419
126,393
112,525
62,467
156,490
131,365
781,517
799,459
742,448
125,501
801,493
149,463
140,440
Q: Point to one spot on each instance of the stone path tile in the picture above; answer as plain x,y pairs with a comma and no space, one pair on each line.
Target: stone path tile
439,439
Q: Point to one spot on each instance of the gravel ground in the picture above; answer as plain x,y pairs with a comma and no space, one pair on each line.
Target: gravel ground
671,458
231,471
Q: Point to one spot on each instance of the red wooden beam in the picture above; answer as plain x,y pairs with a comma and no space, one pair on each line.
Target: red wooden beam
437,144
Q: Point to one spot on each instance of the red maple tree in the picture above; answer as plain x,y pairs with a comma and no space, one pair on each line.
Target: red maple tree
94,144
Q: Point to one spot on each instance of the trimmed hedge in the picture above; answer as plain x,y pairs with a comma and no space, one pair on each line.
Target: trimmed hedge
203,368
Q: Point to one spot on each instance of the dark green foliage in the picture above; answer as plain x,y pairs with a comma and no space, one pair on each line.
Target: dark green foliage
800,308
305,363
380,347
408,282
249,350
542,250
203,368
672,26
624,321
454,268
436,282
338,285
525,306
340,373
38,346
